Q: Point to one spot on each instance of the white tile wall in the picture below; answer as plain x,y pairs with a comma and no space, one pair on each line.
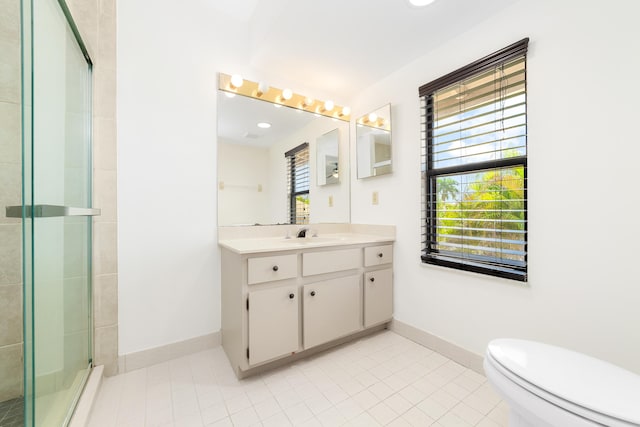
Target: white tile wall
383,379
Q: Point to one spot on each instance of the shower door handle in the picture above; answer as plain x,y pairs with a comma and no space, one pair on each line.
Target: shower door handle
49,211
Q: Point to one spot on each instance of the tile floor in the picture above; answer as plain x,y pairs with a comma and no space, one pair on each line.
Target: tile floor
383,379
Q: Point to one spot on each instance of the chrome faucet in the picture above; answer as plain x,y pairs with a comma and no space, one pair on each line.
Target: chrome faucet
302,233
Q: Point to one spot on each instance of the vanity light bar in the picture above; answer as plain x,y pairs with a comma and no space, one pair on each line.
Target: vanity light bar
282,97
374,122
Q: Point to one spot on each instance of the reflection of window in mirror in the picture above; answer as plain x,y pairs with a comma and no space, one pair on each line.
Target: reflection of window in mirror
373,143
298,183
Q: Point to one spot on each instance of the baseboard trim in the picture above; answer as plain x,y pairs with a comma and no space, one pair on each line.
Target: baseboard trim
448,349
153,356
82,413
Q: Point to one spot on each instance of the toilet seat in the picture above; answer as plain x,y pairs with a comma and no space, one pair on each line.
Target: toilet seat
572,381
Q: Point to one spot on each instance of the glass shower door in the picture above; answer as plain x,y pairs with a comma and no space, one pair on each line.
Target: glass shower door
56,212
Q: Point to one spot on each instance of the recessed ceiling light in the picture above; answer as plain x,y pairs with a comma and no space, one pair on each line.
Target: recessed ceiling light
420,3
264,125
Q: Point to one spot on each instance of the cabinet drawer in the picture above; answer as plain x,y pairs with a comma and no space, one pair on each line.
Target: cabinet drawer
378,255
378,297
267,269
330,261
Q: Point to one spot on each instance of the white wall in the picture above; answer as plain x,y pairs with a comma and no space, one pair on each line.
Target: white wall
168,58
583,288
245,169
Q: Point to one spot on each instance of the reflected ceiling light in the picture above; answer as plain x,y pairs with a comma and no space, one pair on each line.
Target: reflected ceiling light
236,81
420,3
264,125
262,88
230,95
328,105
287,94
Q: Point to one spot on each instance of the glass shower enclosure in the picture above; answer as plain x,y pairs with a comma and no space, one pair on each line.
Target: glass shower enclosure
55,214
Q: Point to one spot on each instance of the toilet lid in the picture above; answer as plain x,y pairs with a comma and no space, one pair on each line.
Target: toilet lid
583,380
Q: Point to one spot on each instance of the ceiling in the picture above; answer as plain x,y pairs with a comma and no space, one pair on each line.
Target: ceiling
339,47
332,48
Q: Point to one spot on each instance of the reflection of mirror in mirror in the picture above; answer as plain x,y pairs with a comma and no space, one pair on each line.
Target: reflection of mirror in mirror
373,143
327,156
252,178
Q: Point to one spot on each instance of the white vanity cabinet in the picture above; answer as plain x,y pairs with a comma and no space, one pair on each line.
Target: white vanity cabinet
284,302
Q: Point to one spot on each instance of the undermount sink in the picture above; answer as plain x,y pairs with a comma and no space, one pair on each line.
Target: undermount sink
311,240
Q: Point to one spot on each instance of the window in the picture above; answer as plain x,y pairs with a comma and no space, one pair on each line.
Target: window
474,166
298,183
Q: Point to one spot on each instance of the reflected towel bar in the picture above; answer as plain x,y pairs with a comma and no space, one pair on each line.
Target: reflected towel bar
48,211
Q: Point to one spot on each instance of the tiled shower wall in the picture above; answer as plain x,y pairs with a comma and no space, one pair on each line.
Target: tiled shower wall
10,187
96,21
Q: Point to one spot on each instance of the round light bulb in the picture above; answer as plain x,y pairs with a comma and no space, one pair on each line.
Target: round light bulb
346,111
236,80
372,117
328,105
262,88
308,102
264,125
287,94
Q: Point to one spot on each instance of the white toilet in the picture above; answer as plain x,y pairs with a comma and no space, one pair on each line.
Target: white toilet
546,386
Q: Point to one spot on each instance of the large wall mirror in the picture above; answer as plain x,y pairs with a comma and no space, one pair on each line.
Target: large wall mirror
253,177
373,143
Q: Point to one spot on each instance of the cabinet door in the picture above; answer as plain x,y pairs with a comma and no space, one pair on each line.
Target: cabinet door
378,297
273,323
332,309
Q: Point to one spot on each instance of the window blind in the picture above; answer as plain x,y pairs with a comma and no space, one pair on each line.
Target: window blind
474,163
298,184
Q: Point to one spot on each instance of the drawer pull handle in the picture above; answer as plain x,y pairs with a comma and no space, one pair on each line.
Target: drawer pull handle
275,268
380,255
291,296
372,279
313,293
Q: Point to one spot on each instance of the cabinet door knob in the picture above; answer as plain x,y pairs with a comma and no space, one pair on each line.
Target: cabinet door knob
291,296
380,255
275,268
313,293
372,279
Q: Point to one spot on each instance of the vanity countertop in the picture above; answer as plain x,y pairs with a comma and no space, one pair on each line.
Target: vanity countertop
275,244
